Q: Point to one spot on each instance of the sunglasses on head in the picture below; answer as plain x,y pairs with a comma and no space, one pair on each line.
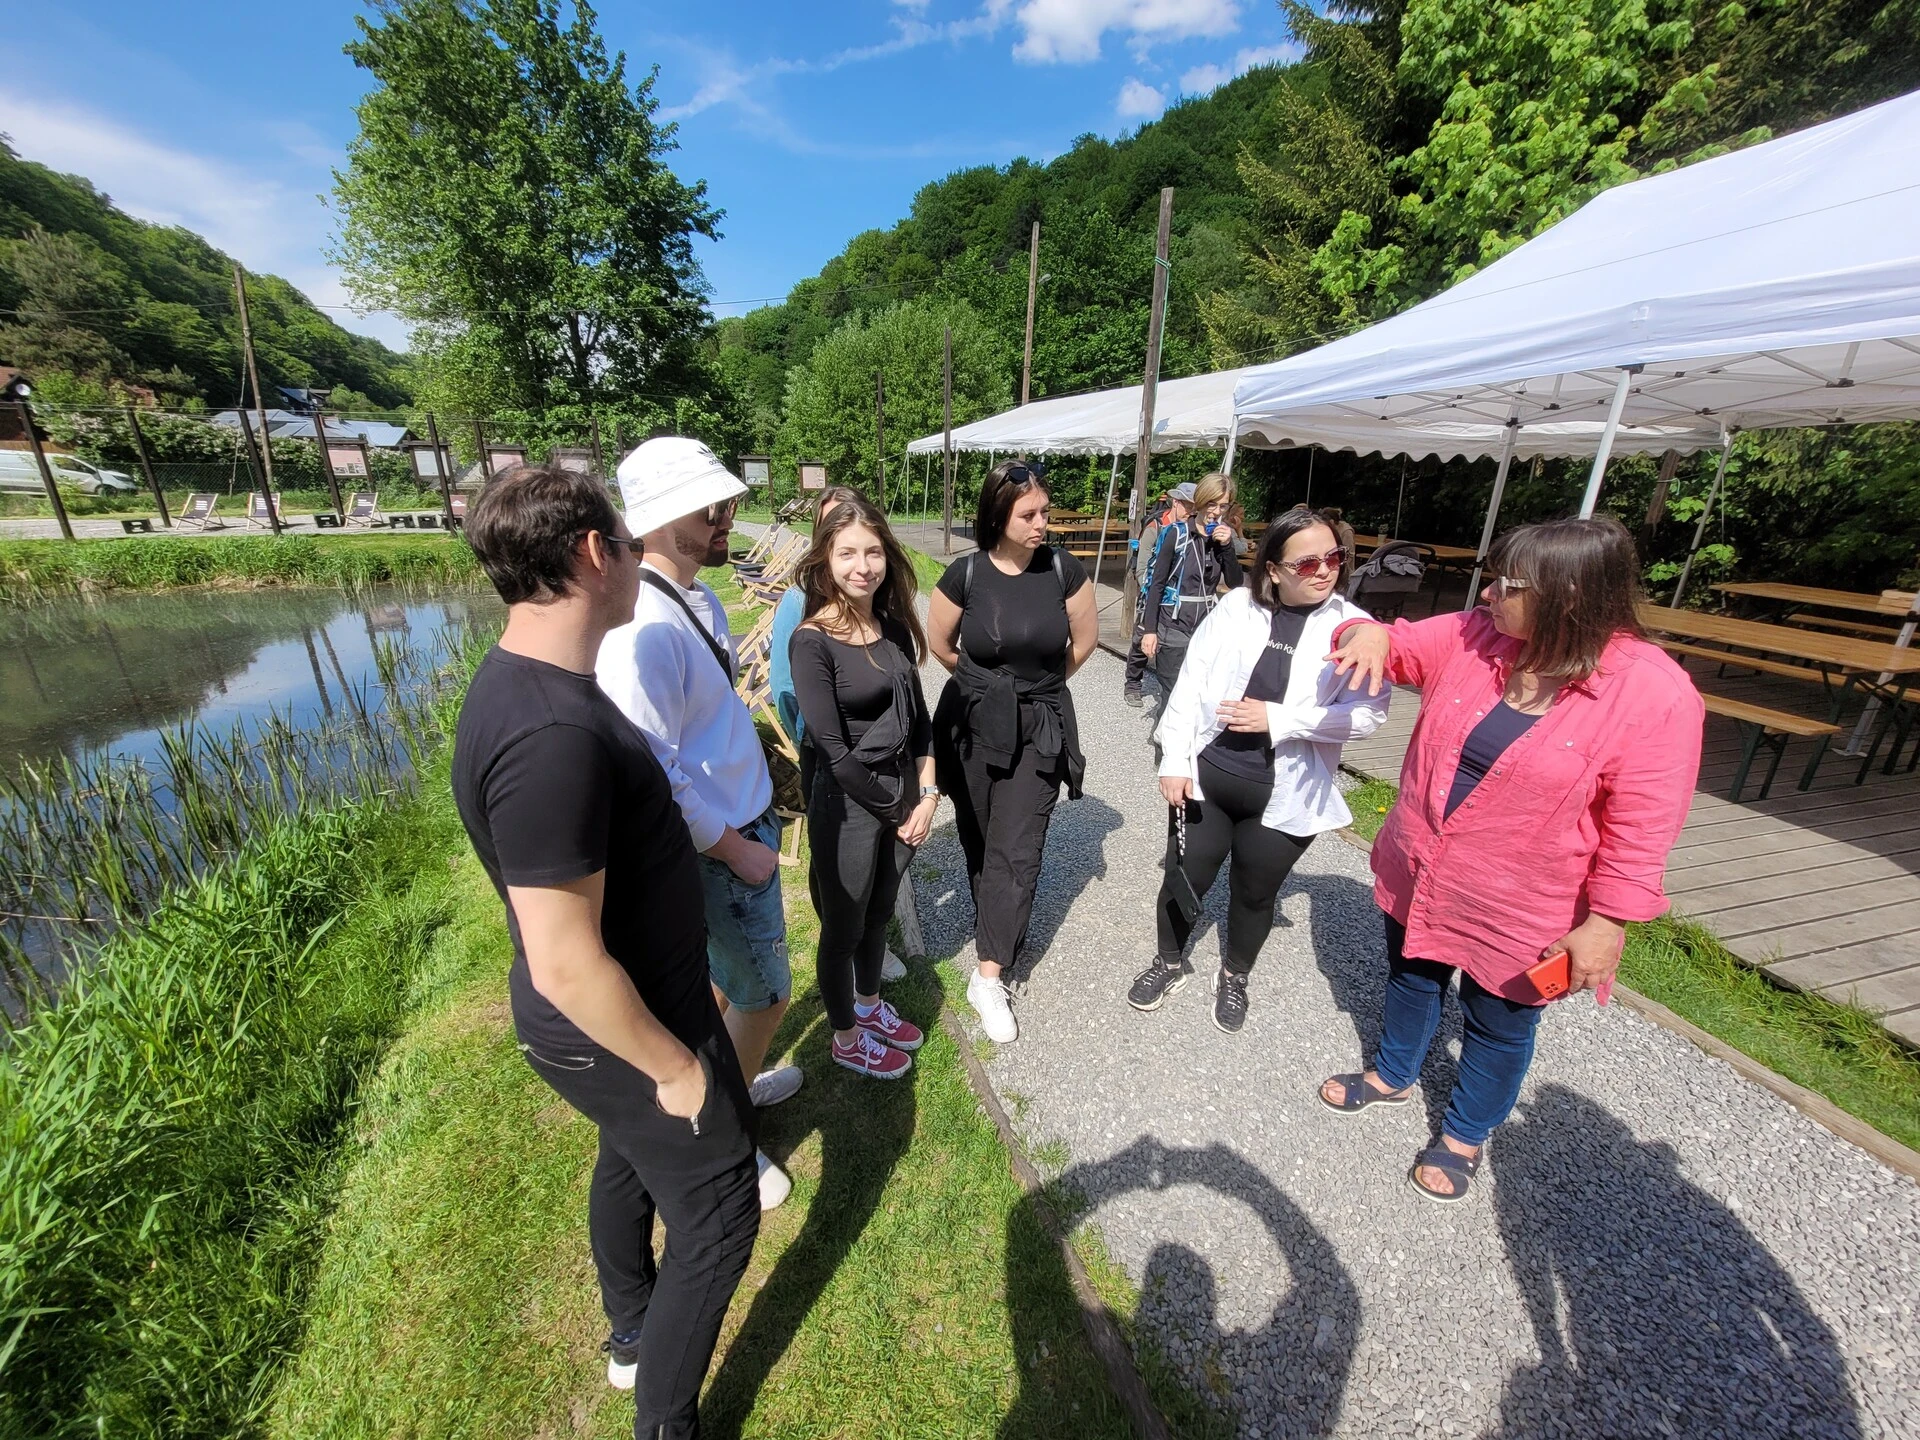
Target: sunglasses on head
1312,565
1025,473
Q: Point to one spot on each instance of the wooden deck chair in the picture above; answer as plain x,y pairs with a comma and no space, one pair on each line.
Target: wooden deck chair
757,552
198,514
757,696
756,649
771,583
363,509
258,516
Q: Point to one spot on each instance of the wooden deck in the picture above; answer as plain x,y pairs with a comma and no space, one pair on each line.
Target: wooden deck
1819,888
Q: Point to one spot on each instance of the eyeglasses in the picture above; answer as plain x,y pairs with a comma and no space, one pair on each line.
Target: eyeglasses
1501,586
1312,565
723,511
635,546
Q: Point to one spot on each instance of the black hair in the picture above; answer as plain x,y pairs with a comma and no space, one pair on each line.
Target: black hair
526,524
1005,483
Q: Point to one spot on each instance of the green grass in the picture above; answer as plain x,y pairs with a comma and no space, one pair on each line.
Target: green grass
35,570
1839,1051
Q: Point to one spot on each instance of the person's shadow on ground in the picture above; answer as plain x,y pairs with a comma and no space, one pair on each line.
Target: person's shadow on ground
1350,947
1307,1343
1077,848
1676,1320
865,1128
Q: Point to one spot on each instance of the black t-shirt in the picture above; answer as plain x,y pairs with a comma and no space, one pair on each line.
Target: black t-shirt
1016,621
1484,746
1251,755
851,694
554,783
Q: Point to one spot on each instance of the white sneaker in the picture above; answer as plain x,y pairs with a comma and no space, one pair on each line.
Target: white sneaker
892,968
770,1087
775,1185
988,997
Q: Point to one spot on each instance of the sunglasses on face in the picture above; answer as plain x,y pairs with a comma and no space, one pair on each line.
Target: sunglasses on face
723,511
1501,586
1312,565
635,546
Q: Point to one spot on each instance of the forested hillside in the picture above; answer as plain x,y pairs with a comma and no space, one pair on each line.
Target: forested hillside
88,291
1416,141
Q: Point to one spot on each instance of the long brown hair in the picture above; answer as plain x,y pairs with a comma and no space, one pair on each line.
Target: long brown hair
1584,577
892,601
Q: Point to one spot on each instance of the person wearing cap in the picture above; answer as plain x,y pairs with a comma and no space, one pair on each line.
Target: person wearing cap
671,670
1190,562
1169,509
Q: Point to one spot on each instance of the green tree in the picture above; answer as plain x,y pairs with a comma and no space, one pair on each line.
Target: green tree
71,307
829,402
507,195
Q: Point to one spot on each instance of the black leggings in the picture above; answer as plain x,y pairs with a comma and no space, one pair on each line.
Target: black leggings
1002,818
858,862
1228,821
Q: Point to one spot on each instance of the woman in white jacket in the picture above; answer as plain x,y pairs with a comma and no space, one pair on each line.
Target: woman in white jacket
1250,743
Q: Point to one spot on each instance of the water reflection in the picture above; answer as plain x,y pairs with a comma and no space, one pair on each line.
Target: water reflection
80,677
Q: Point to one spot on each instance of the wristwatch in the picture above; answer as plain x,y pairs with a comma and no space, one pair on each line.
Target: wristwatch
929,791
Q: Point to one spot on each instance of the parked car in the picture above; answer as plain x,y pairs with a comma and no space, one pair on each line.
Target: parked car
20,474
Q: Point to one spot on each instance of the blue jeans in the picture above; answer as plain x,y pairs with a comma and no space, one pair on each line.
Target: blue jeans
1496,1043
747,927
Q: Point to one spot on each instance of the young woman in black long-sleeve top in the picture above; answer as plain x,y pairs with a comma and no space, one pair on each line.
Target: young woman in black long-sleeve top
856,674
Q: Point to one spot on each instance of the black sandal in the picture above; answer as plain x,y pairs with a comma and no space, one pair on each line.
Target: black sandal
1358,1095
1461,1167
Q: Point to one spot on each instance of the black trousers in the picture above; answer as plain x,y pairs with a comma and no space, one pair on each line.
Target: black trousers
858,863
1136,657
1228,822
1002,817
702,1183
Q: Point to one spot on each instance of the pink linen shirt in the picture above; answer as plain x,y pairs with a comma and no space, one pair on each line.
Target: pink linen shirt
1577,815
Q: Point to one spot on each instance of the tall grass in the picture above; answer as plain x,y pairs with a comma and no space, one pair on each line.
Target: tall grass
170,1119
37,570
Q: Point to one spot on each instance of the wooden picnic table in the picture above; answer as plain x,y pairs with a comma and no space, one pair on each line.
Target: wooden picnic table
1887,602
1443,553
1850,655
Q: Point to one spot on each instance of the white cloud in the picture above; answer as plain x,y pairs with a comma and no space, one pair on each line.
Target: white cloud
267,223
1139,101
1202,78
1069,31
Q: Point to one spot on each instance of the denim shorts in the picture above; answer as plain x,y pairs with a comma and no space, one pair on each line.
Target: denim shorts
747,927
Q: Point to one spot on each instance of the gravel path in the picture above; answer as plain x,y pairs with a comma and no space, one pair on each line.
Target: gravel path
1656,1247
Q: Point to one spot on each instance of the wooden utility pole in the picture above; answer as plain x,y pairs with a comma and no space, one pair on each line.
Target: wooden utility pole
946,447
146,465
440,464
1150,379
326,464
480,447
593,433
259,400
880,431
46,470
1033,290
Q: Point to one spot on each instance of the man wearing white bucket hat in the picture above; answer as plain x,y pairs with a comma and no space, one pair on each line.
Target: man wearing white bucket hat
671,670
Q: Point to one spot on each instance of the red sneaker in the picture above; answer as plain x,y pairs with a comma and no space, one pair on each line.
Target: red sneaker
885,1022
872,1057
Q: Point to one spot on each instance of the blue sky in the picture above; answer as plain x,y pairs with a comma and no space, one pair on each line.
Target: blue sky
808,122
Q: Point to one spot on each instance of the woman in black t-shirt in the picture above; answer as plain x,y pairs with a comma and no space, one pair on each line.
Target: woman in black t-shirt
855,661
1011,621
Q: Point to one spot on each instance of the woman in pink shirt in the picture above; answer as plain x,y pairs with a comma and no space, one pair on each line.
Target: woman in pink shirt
1548,776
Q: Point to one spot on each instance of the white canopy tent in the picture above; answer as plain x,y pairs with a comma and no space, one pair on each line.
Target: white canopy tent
1775,286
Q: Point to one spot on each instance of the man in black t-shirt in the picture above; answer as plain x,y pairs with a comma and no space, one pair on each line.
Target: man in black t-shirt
577,826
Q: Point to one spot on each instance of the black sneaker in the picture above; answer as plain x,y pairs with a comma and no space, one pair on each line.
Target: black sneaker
1158,981
1229,1000
623,1359
1133,696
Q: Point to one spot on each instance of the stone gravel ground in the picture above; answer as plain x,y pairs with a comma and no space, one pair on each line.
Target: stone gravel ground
1655,1247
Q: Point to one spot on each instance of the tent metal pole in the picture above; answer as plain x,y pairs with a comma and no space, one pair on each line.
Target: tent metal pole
1493,505
1233,442
1600,456
1100,555
1700,530
1308,502
1867,711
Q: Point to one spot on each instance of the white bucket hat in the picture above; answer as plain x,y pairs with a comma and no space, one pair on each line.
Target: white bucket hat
672,476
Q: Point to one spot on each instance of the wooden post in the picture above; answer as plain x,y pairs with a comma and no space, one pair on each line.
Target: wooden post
440,464
1657,506
1150,379
880,432
146,465
593,434
1033,288
326,465
254,463
946,451
46,470
259,400
480,444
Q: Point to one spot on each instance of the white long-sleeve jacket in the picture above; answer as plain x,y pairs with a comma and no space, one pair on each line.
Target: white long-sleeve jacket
1308,727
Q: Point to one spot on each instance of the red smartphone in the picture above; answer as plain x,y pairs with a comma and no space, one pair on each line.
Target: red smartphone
1552,977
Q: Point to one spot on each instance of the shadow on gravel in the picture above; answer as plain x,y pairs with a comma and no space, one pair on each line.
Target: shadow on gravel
1304,1349
1350,947
1077,848
1656,1311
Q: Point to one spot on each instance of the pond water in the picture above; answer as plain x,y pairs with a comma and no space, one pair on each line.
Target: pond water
83,677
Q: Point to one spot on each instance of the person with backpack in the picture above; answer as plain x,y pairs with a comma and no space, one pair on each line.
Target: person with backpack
1170,506
1011,622
671,671
1191,560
